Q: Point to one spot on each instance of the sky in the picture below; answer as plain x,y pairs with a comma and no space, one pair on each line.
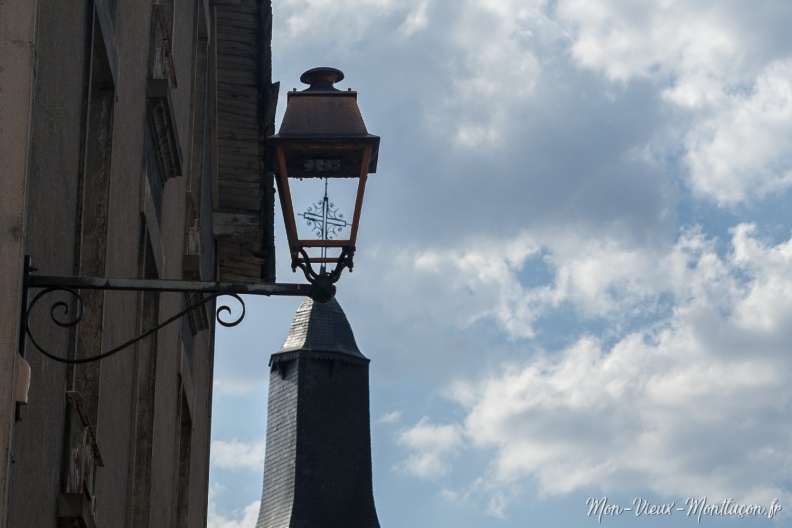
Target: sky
574,266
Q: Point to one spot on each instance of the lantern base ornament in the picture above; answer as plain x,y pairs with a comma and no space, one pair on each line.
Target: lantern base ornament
323,282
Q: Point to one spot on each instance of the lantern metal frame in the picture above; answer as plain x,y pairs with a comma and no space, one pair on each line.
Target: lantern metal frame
331,143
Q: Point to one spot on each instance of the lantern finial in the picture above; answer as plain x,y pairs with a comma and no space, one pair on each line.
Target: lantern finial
322,79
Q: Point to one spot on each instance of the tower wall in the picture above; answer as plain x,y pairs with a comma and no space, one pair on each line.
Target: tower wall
318,462
280,458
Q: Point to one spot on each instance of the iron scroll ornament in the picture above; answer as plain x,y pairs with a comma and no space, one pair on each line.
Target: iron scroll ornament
61,315
324,219
323,280
63,308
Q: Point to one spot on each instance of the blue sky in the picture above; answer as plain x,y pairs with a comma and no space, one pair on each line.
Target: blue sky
574,269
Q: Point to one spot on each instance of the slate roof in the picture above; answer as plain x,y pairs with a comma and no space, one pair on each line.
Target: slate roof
320,327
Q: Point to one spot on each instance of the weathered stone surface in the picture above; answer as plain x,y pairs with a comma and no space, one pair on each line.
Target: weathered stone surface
87,190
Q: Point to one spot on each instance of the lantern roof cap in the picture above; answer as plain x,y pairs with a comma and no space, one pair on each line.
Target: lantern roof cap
322,79
321,111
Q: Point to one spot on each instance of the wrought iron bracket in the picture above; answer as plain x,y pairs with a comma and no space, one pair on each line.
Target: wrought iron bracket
319,290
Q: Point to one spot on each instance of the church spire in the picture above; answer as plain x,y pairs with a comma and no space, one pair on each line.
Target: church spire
317,469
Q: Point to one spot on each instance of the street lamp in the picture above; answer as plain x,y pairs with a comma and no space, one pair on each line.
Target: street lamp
323,139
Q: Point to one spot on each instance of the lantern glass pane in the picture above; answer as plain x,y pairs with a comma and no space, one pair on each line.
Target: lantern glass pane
320,218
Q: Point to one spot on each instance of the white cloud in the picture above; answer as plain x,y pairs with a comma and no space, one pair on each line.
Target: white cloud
344,21
766,308
390,418
744,150
719,63
245,518
720,68
601,278
488,78
236,455
695,403
468,285
432,446
498,498
467,85
416,20
626,39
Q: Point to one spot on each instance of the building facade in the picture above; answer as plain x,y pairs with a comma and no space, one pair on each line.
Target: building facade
131,137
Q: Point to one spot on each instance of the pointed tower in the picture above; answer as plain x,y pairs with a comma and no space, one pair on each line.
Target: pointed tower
317,470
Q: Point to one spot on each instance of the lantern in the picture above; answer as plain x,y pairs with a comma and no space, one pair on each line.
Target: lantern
323,145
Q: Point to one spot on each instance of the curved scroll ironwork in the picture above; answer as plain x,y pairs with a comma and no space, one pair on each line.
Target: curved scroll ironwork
323,281
324,219
304,263
225,308
64,308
